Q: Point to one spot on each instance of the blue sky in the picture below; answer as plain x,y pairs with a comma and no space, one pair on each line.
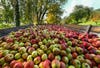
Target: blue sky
68,7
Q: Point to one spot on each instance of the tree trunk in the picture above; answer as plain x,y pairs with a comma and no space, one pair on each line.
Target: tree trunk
17,16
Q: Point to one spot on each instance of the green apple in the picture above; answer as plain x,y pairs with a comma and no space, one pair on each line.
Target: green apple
24,55
69,43
21,44
68,50
22,50
40,52
36,66
65,59
44,57
9,57
80,58
69,55
56,51
40,43
13,52
43,47
5,52
15,46
79,50
71,66
17,56
85,65
45,41
27,43
77,63
66,39
58,57
63,53
48,51
2,61
29,58
35,46
34,54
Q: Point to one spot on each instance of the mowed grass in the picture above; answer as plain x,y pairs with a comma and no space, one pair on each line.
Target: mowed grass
91,23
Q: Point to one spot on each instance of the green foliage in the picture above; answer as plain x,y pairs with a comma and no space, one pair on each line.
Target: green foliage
31,11
80,14
6,25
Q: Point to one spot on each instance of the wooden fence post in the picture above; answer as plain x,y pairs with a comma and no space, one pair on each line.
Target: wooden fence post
88,29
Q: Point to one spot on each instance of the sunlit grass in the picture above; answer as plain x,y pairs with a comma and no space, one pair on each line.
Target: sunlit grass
91,23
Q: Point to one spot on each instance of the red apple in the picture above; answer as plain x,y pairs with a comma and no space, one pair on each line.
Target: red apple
12,63
29,64
62,65
18,65
46,64
51,56
74,55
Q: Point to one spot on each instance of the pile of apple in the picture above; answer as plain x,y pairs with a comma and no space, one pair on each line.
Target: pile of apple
49,46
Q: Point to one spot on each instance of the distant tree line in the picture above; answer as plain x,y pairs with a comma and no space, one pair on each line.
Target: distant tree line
32,11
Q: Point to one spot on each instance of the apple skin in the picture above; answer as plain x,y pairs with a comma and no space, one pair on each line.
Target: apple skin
34,54
69,56
2,61
85,65
74,55
65,59
9,40
29,58
18,65
14,46
46,64
98,65
12,63
63,53
30,50
35,46
71,66
51,56
80,58
13,52
24,55
69,43
17,56
41,65
27,44
79,50
77,63
56,51
37,60
43,47
97,44
40,52
22,50
36,66
9,57
62,65
44,57
21,44
5,52
68,50
55,63
88,56
29,64
97,59
1,54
